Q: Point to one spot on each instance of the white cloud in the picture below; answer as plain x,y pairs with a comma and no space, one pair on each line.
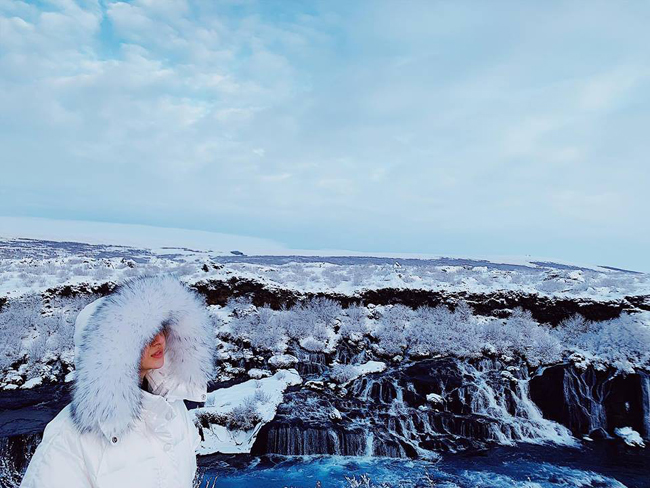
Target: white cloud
449,118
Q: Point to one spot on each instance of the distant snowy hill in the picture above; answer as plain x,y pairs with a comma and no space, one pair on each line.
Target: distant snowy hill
31,264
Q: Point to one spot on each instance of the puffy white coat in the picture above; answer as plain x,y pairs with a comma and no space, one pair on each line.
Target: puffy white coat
114,434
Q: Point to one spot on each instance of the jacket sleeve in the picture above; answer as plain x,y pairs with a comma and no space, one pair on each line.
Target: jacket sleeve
56,464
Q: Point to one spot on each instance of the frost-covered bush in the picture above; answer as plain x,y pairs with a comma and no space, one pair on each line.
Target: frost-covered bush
334,276
27,329
360,274
343,372
623,341
569,330
314,318
206,418
313,345
391,330
17,318
545,348
260,396
263,328
438,330
353,323
265,332
325,310
243,417
521,335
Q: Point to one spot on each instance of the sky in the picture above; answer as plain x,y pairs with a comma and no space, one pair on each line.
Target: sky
444,127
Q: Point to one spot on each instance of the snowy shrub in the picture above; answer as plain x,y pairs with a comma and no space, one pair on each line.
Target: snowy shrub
240,327
570,329
314,318
343,372
260,396
353,323
551,286
619,341
239,305
17,318
496,336
325,310
391,330
428,334
360,274
440,331
265,331
38,347
207,418
313,345
545,348
518,328
243,417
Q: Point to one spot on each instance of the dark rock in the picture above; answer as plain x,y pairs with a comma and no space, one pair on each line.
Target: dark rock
585,400
599,434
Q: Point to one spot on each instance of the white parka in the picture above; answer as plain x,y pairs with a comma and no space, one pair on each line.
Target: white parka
114,434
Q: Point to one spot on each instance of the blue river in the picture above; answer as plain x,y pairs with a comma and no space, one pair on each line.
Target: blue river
590,466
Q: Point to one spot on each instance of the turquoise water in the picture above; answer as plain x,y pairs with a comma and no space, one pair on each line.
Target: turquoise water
530,467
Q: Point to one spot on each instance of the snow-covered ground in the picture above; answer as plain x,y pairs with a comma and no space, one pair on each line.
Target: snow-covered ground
27,266
232,417
38,327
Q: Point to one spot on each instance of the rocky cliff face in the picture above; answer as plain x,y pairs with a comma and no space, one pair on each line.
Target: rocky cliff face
448,404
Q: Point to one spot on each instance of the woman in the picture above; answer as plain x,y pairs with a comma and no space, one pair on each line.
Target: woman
139,353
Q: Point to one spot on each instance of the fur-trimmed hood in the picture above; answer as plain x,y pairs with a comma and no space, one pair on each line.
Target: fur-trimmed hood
110,335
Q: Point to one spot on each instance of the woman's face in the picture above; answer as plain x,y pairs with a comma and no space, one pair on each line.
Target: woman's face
153,356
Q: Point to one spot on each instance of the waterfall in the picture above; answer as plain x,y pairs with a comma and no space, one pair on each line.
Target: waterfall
370,437
585,396
645,386
301,440
481,402
503,395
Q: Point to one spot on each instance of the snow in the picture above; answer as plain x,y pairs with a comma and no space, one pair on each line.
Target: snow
345,373
159,239
334,414
266,394
370,367
282,360
163,240
434,398
257,373
630,436
41,265
32,383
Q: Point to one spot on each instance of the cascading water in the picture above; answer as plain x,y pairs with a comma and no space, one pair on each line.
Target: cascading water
645,386
503,395
585,396
414,410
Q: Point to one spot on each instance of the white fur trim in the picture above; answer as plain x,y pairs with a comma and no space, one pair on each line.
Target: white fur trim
106,394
